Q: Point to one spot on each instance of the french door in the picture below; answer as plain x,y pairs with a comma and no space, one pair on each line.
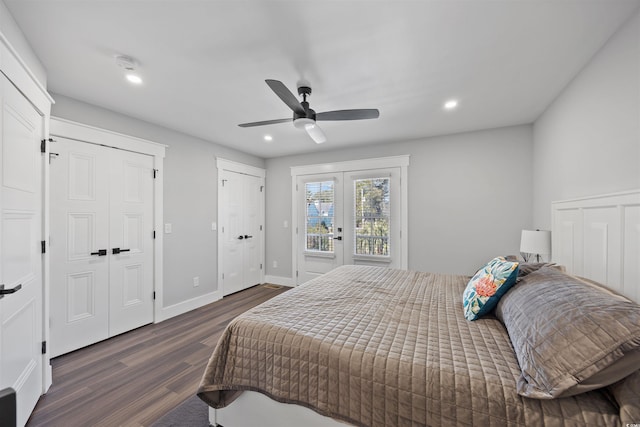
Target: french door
101,243
21,366
351,217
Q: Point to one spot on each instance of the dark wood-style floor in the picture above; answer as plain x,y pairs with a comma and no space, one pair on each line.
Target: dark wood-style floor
137,377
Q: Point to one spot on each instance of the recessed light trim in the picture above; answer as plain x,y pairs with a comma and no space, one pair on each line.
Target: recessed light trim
451,104
134,78
268,138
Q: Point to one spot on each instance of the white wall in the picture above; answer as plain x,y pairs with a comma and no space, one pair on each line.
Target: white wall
469,197
12,33
190,195
587,142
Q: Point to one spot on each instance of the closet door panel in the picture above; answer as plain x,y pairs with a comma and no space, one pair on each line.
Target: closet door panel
79,230
252,256
233,232
131,241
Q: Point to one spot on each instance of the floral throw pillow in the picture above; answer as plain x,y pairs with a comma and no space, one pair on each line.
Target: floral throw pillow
487,286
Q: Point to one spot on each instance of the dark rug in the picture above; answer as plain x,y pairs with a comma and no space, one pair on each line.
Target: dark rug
193,412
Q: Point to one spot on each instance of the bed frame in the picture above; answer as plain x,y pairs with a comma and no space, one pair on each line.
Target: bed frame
594,237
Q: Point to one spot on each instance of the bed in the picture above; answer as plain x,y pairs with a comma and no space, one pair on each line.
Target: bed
372,346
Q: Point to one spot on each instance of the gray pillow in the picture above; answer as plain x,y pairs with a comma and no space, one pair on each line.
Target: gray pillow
564,331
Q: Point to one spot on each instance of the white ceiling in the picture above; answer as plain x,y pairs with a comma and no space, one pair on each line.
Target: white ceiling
204,62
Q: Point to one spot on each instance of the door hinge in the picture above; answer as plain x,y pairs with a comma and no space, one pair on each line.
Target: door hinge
44,347
43,144
154,295
155,173
43,245
223,181
154,234
260,266
296,230
260,228
296,273
222,276
296,187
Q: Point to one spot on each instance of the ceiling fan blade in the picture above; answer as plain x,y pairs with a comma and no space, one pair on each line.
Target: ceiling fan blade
285,94
362,114
315,133
266,122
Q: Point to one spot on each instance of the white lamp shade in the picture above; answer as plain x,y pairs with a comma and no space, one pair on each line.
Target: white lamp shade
535,242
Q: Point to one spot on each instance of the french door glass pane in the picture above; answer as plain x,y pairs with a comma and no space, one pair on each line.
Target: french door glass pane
372,216
319,216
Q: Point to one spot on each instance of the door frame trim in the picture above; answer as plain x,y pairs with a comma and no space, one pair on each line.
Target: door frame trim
231,166
93,135
401,161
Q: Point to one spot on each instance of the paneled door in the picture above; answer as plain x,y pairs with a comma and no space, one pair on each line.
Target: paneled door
101,243
348,218
241,230
21,130
130,241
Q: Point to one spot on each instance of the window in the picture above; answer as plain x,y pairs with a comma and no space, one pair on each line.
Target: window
372,216
319,216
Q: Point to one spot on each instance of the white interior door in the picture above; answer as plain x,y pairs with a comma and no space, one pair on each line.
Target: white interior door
79,245
252,219
21,130
348,218
101,243
131,241
242,198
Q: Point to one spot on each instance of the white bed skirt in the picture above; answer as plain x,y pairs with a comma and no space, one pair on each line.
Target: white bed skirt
255,409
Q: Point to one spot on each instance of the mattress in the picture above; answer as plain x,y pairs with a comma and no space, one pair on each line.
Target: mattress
382,347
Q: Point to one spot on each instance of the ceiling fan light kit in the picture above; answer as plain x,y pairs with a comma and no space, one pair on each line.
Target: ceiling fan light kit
304,117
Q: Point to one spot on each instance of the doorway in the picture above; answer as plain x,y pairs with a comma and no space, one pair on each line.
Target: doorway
355,214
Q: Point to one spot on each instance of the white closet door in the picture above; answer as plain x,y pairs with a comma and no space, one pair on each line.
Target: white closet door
241,231
251,218
79,245
101,200
131,241
232,232
20,254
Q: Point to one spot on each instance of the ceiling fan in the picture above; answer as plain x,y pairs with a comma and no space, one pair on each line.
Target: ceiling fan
304,117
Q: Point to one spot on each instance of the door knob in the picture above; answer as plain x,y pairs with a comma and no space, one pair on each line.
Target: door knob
240,237
337,238
247,237
116,251
101,252
4,291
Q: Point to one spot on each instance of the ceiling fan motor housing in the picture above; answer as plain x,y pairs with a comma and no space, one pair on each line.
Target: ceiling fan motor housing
309,113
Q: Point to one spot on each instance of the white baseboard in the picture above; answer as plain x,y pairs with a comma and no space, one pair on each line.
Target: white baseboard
188,305
282,281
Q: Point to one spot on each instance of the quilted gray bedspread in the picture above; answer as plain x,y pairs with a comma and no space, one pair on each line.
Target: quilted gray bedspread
382,347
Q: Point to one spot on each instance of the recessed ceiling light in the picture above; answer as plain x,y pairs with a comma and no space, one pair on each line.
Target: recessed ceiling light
451,104
135,79
268,138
